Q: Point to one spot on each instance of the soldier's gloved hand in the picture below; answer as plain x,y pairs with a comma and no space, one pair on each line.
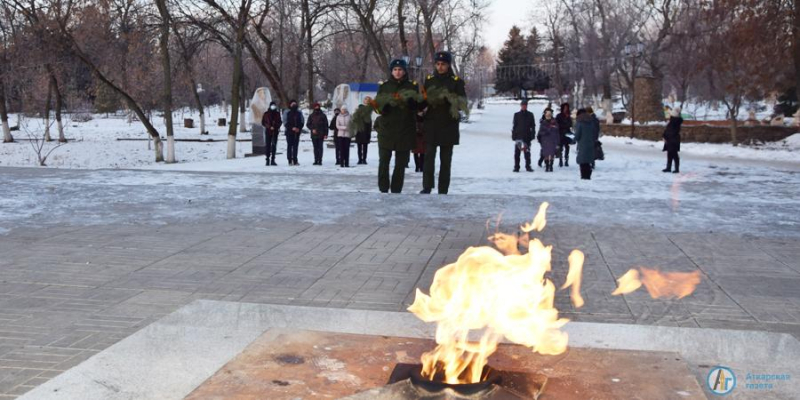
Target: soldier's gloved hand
412,104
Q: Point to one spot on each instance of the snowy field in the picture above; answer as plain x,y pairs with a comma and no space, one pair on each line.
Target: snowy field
721,188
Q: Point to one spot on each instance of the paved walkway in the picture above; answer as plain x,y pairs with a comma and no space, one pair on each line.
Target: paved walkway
67,292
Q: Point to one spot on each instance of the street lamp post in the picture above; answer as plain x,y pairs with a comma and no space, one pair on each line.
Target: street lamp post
633,50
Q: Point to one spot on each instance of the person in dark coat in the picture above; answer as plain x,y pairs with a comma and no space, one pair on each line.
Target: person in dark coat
672,140
332,127
318,125
549,138
364,130
522,133
596,126
564,120
271,120
293,126
441,126
586,134
398,131
419,149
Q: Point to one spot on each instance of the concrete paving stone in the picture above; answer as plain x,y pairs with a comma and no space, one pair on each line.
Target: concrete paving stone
137,273
13,377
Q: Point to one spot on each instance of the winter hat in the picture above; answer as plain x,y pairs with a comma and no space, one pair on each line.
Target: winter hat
316,105
398,63
676,112
524,102
589,110
443,56
343,108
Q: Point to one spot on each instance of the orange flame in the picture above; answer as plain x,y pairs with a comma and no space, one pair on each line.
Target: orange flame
574,277
539,221
659,284
498,294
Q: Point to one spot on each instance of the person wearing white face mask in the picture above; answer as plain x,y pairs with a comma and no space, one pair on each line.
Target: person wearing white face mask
271,120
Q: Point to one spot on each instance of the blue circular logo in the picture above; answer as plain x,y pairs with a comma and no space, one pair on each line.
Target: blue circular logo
721,380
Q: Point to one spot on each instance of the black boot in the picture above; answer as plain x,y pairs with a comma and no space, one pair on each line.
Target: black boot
566,162
528,168
677,166
541,160
273,162
516,168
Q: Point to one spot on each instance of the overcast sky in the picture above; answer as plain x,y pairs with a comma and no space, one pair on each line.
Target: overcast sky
503,14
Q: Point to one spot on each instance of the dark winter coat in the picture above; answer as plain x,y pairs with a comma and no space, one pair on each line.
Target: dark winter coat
524,126
318,121
672,134
586,134
271,120
332,125
420,144
397,121
294,119
564,124
548,136
441,129
364,132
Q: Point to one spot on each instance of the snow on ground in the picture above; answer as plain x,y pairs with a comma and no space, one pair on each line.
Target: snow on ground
720,188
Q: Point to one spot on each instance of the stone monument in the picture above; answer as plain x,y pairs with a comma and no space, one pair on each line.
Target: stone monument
258,106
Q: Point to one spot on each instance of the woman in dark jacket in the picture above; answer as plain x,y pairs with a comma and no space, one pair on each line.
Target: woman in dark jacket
564,127
549,138
363,128
672,140
586,133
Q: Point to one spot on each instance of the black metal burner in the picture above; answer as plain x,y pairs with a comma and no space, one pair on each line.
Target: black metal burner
414,373
406,383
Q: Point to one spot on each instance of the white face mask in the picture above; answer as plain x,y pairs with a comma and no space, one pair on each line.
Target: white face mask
273,107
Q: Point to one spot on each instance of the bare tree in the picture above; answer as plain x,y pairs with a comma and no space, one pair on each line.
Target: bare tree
166,65
53,25
39,144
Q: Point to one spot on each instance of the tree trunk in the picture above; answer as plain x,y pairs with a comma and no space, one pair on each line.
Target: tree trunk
242,105
47,137
235,82
59,106
428,21
401,27
734,128
796,38
308,47
203,123
199,105
167,67
7,138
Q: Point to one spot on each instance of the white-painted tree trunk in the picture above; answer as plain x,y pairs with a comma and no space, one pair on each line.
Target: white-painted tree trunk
242,122
170,149
231,147
608,110
202,124
47,137
61,137
7,138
